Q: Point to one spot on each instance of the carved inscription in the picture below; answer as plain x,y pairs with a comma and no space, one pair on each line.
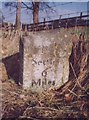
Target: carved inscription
44,62
43,81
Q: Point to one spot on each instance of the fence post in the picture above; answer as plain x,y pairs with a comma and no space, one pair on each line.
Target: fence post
25,28
80,15
52,24
9,28
44,23
60,21
21,26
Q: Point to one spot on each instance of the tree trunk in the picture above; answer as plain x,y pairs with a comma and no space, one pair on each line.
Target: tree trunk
18,15
36,12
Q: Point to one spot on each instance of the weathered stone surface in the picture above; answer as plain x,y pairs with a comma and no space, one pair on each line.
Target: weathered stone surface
9,42
3,72
45,59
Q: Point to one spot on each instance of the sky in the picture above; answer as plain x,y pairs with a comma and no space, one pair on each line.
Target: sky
59,8
47,0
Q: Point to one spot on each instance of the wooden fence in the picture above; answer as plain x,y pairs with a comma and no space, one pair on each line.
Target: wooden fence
81,20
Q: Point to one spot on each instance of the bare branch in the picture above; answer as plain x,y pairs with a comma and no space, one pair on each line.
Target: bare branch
31,8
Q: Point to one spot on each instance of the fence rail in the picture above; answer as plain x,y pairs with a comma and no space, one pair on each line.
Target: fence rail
81,20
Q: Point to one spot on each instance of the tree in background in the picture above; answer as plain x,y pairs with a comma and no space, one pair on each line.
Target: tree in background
35,7
18,15
16,5
35,12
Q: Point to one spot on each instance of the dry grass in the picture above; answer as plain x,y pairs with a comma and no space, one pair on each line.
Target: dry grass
69,101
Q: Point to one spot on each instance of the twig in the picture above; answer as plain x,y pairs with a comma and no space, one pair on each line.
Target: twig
77,82
37,107
30,118
72,92
38,101
11,92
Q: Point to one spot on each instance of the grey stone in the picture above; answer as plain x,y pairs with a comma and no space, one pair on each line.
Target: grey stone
45,59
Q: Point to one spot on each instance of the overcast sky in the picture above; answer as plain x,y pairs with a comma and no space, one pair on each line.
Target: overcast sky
60,8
